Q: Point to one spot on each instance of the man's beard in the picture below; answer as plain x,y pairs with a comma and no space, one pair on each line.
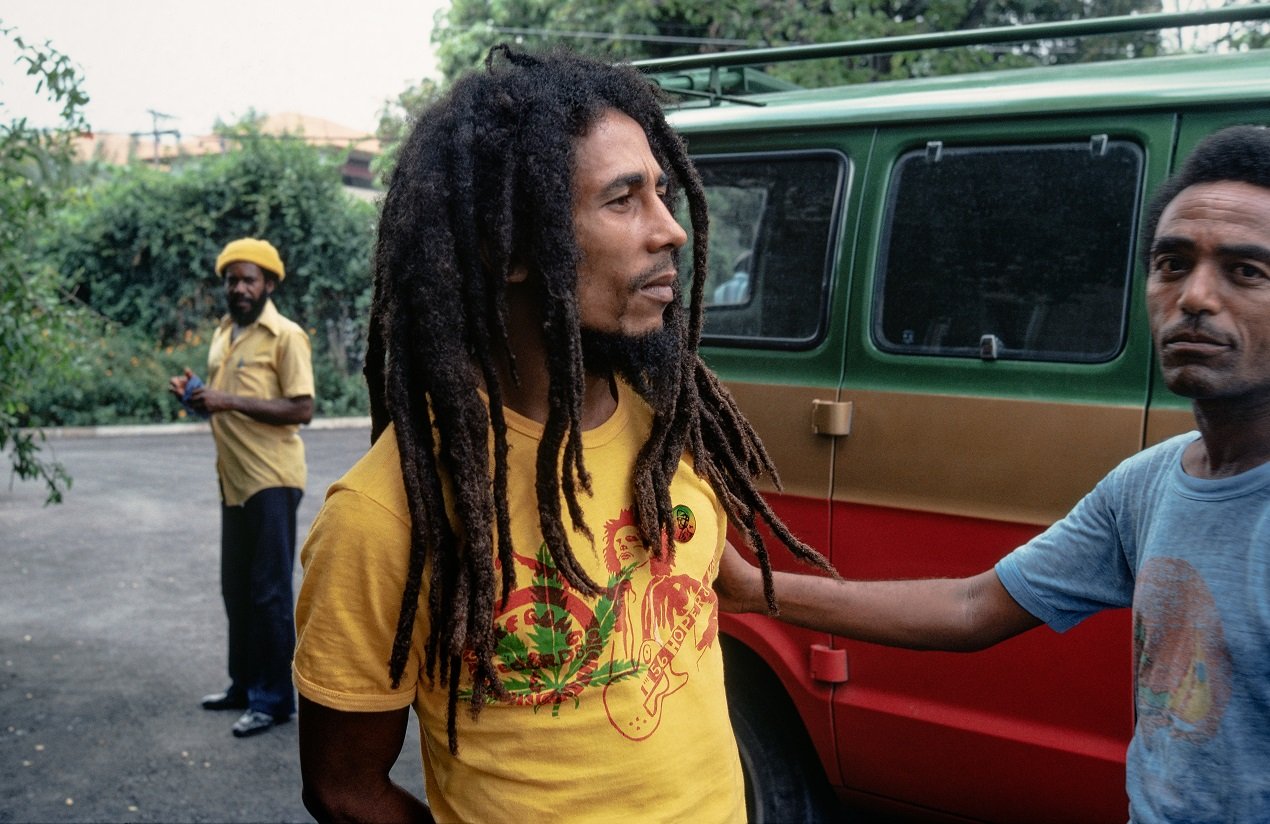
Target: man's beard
643,361
246,317
647,362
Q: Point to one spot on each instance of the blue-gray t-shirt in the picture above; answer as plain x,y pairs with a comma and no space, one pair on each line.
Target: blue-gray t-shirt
1192,557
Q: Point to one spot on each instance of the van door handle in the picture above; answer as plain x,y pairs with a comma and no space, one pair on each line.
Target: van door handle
831,417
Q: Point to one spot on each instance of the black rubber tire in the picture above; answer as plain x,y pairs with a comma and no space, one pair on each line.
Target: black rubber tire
784,781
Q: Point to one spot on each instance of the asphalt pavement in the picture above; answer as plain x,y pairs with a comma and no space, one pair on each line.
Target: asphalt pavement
112,628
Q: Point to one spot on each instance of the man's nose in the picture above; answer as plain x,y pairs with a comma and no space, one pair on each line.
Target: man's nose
1201,291
666,231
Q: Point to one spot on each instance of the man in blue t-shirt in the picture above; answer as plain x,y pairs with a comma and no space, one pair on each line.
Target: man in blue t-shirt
1180,531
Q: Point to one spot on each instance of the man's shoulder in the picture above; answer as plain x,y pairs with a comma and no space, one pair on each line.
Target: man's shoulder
279,324
1158,457
286,326
376,477
1145,475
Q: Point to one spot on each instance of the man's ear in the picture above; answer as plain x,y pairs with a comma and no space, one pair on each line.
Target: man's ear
519,273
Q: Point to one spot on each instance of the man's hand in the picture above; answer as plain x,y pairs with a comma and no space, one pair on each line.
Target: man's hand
176,383
740,583
209,401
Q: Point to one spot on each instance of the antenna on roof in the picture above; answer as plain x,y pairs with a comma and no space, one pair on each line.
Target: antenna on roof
155,117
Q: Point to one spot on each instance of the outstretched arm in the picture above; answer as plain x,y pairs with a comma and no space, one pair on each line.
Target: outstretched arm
955,614
345,758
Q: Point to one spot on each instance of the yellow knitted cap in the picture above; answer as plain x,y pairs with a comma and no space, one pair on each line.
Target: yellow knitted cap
251,250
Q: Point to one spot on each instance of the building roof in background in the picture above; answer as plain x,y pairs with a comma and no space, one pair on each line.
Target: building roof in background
320,132
118,148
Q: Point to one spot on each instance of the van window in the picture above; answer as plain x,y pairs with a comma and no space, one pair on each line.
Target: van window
772,221
1020,252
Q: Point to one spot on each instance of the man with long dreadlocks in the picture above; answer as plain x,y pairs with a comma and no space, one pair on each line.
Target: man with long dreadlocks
526,554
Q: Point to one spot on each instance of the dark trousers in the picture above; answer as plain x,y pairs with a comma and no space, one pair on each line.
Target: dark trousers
256,563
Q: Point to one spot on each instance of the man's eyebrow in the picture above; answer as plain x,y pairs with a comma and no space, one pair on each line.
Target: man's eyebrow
1252,251
1169,243
630,181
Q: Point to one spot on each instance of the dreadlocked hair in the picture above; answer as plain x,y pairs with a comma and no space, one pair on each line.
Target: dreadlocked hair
484,184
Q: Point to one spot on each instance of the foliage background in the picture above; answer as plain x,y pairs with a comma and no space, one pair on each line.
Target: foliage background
38,326
640,29
661,28
106,280
139,250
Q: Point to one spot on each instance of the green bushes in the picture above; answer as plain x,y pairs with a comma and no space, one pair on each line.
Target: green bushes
138,249
36,322
118,377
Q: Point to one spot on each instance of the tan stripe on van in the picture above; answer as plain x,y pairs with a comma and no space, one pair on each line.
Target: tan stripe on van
1013,460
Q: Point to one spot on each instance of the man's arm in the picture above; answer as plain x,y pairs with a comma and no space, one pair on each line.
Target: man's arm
345,758
961,615
276,411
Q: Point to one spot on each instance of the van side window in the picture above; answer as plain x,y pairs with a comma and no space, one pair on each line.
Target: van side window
773,218
1021,252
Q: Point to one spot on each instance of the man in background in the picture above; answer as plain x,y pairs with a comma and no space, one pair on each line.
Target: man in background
259,390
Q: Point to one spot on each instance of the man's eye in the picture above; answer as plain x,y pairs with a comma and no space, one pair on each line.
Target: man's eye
1168,265
1248,271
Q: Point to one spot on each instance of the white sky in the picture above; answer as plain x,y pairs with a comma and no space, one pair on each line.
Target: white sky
201,61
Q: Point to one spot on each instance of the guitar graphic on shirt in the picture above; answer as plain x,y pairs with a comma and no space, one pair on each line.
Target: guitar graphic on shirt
660,679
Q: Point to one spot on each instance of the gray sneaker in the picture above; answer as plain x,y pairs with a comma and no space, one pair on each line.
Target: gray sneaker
254,722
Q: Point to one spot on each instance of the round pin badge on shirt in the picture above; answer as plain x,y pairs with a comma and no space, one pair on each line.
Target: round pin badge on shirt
685,524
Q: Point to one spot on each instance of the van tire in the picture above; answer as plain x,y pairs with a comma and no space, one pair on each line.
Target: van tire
784,781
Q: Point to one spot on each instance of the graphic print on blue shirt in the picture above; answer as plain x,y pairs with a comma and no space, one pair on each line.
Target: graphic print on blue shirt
1183,670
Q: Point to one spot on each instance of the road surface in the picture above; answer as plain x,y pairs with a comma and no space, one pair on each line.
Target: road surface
112,628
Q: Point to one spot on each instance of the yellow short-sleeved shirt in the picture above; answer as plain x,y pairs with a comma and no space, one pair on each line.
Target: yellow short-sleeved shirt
619,712
270,359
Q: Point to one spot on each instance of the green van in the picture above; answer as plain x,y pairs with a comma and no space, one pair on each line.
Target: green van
928,298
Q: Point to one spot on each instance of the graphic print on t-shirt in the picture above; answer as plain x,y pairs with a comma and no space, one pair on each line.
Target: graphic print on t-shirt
647,628
1183,664
670,636
549,640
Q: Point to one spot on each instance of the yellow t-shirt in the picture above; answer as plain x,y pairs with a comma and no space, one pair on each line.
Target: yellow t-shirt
269,360
619,712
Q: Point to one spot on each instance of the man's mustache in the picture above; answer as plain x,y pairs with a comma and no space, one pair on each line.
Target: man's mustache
1195,330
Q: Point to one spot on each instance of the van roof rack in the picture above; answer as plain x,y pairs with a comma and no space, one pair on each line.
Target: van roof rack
734,71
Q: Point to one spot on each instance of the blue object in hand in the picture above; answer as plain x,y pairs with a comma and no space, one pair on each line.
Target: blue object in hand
190,385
